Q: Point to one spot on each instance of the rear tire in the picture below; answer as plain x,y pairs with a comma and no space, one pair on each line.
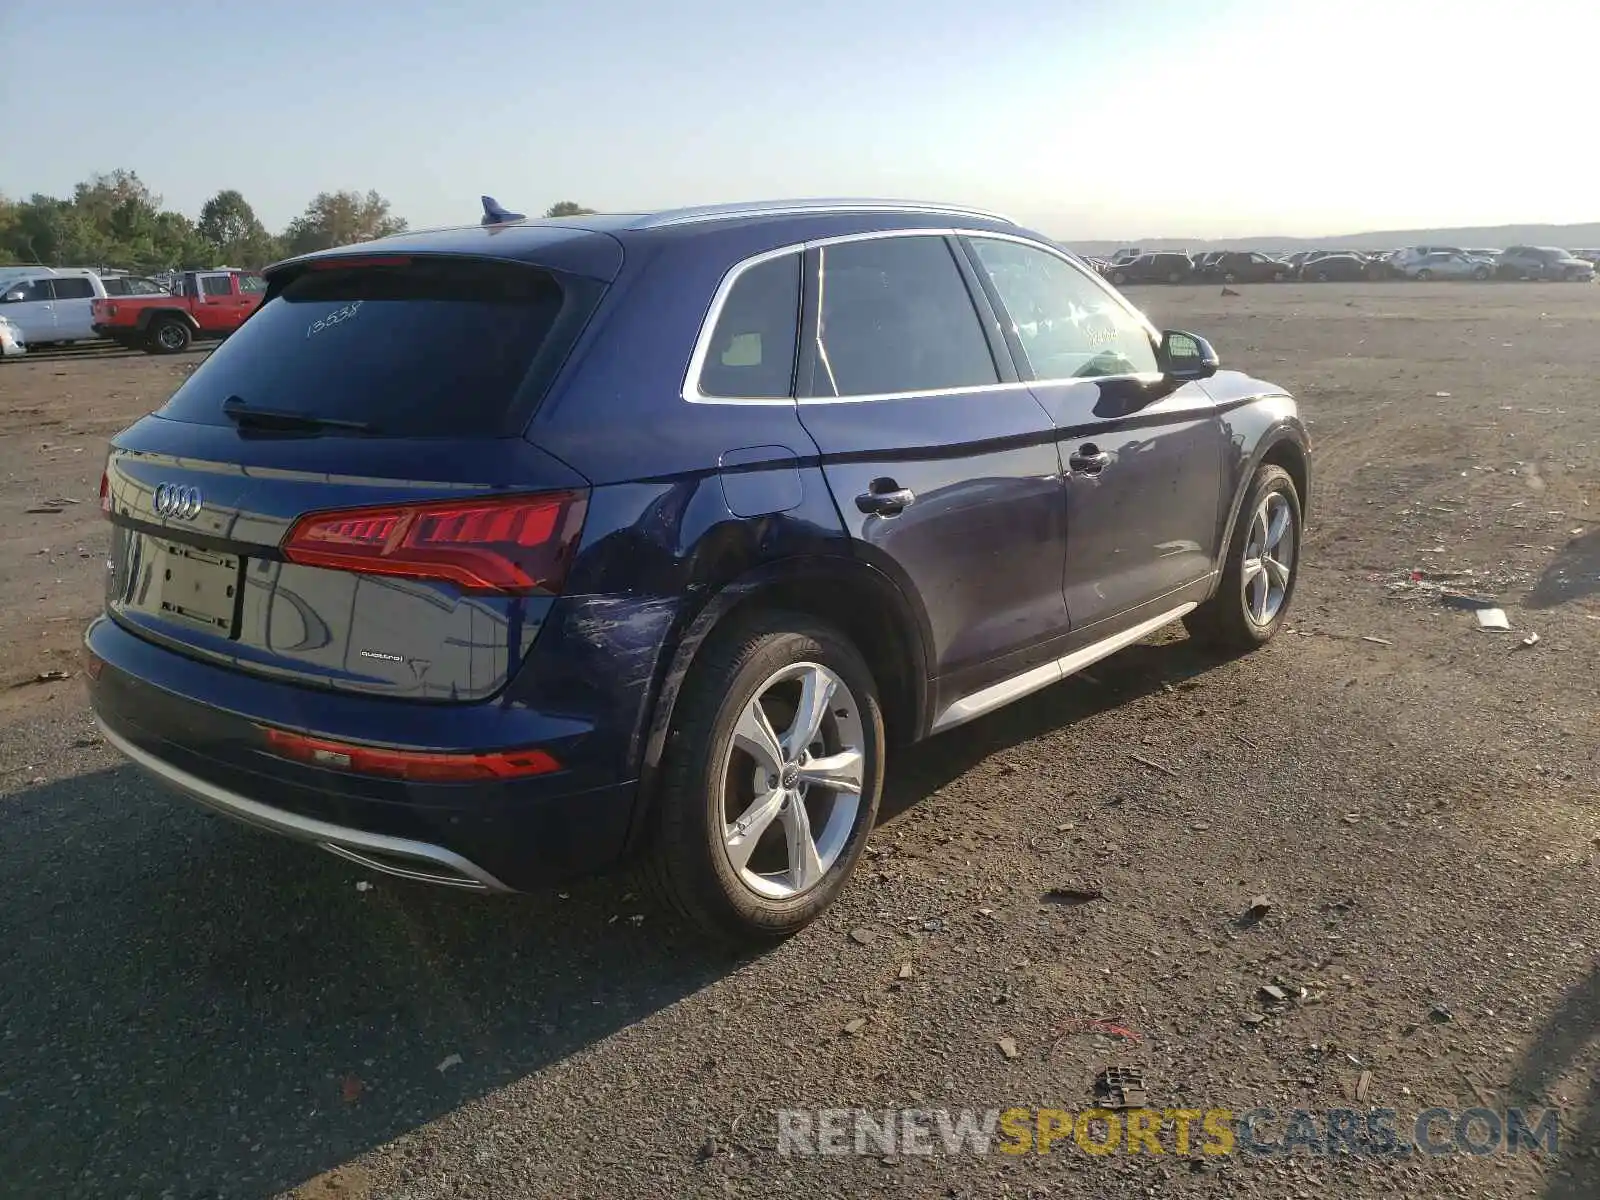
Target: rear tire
1259,575
1424,275
168,335
1118,278
724,771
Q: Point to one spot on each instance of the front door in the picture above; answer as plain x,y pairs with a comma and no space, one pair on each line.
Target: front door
942,464
1143,459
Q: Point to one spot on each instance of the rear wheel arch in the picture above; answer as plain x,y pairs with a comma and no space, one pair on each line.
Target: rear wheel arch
859,601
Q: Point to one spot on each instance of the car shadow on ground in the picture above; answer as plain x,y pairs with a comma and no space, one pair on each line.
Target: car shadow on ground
1574,573
1557,1051
190,1007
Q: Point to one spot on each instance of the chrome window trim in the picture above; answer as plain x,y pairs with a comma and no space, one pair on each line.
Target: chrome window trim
691,393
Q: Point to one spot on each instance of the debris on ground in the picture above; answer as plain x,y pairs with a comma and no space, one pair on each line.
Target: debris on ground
1271,993
1466,600
1120,1087
1531,640
905,971
44,508
1363,1085
1439,1014
1228,291
863,937
363,886
1376,640
1493,619
855,1027
1095,1025
44,677
1068,894
1260,906
1008,1047
1153,765
450,1060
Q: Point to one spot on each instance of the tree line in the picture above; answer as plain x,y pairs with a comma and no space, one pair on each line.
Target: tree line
115,220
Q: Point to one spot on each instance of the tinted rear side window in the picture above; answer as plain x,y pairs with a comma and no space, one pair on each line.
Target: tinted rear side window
897,317
421,348
753,346
74,289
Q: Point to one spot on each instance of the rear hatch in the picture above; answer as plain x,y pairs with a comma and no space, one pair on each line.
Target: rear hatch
340,495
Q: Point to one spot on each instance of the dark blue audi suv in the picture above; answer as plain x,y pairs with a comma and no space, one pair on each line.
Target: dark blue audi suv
490,555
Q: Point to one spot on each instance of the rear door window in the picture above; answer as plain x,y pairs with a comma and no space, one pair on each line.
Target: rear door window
415,347
752,348
73,289
896,317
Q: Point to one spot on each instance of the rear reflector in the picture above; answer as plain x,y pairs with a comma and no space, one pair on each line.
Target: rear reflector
416,765
105,491
509,544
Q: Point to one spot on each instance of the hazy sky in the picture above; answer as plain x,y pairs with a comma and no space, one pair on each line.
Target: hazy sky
1085,119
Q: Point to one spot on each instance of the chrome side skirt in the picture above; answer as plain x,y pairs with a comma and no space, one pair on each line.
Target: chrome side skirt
376,851
997,695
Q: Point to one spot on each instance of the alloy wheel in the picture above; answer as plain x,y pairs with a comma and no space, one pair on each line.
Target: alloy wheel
790,799
1269,558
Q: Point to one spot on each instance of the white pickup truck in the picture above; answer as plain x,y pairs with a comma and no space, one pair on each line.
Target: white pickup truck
49,305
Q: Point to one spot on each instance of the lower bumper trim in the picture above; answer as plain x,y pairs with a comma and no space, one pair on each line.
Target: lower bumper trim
403,857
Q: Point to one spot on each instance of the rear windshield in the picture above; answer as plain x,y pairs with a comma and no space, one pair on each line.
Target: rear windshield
412,347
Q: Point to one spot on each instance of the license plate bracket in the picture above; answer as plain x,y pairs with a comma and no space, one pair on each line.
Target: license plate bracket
201,587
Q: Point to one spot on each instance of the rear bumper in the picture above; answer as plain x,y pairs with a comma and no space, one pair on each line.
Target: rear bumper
197,729
394,855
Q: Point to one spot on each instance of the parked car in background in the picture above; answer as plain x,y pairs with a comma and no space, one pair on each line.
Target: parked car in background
485,556
1248,266
12,342
51,307
1542,262
1448,264
1163,267
207,304
1328,268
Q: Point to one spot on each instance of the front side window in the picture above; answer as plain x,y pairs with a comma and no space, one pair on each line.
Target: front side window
217,285
1069,326
896,316
753,345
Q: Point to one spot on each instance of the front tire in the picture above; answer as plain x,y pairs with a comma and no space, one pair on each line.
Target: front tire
1118,278
770,779
1262,566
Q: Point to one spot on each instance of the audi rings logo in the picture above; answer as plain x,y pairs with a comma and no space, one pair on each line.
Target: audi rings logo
175,500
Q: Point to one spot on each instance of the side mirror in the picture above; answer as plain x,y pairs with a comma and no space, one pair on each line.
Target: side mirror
1186,357
15,297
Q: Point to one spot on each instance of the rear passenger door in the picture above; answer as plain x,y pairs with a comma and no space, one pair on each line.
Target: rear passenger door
942,464
1144,459
75,298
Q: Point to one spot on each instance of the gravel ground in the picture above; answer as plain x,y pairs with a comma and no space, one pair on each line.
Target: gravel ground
191,1009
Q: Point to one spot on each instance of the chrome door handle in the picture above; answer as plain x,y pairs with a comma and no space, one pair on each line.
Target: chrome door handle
885,499
1088,459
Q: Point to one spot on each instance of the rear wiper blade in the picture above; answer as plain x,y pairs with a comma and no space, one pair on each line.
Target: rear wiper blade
240,413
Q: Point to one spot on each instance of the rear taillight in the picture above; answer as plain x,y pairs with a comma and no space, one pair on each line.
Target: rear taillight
420,766
105,491
511,544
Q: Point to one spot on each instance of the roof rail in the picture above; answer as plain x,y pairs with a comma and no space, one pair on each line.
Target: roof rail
783,208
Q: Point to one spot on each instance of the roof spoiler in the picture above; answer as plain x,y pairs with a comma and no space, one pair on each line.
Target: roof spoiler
494,214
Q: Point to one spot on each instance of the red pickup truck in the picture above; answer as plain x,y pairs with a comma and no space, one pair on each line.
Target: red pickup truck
207,304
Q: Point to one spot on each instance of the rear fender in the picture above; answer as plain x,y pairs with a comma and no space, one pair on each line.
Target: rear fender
778,584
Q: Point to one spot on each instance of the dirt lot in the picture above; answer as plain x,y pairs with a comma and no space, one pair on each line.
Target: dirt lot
190,1009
